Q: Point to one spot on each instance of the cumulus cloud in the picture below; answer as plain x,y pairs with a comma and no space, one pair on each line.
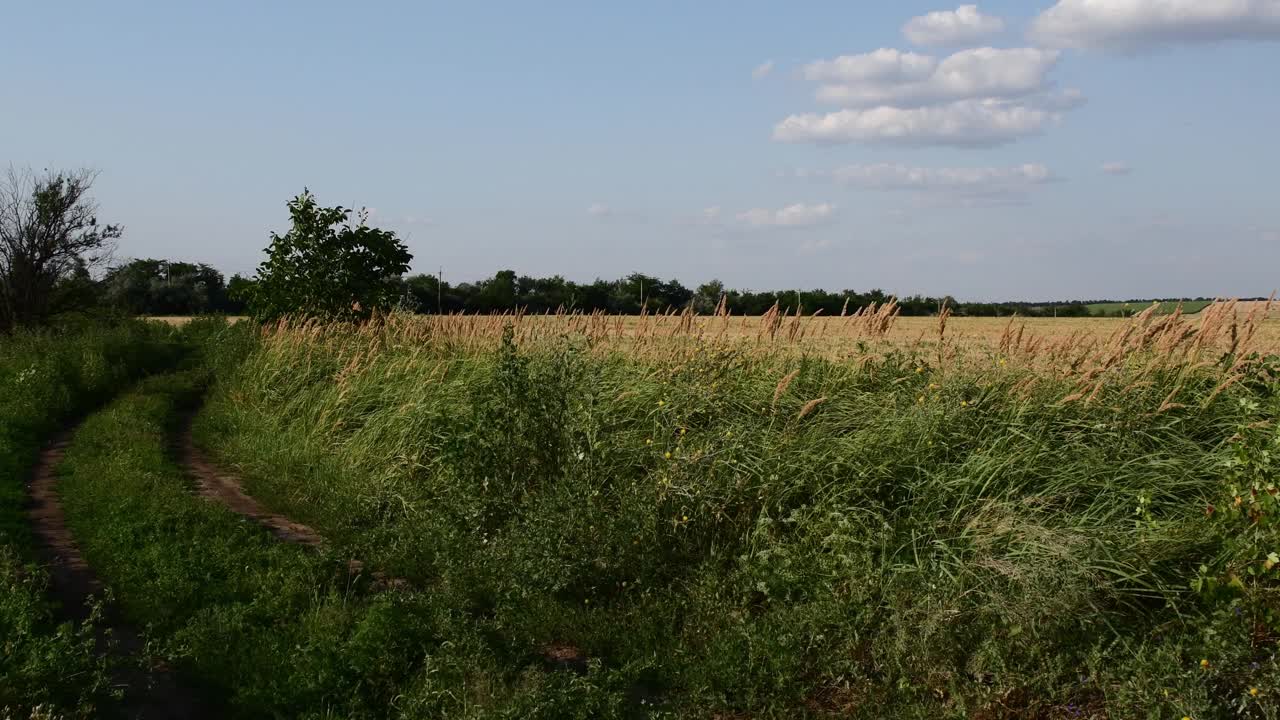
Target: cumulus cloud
1116,168
885,65
978,97
1129,25
971,123
965,25
762,69
910,80
798,215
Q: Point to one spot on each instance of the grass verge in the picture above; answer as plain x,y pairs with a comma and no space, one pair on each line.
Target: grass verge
47,379
275,628
740,533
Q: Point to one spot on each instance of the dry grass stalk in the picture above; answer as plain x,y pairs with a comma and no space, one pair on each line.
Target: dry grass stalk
810,407
783,384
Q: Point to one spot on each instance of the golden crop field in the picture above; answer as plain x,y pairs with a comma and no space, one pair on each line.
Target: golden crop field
838,335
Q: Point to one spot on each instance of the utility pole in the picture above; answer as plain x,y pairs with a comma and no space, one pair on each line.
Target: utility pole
440,291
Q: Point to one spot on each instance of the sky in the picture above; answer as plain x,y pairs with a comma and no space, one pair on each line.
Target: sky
1006,150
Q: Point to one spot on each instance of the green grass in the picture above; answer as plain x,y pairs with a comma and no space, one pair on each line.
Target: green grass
272,629
1189,307
47,379
928,543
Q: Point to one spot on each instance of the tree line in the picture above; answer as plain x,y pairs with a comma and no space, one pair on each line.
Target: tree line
636,292
55,257
172,287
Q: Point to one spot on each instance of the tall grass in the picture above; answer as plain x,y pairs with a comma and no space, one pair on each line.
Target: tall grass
267,628
47,379
730,525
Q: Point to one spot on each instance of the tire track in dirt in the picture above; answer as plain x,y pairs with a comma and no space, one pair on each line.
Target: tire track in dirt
152,692
214,484
218,485
226,488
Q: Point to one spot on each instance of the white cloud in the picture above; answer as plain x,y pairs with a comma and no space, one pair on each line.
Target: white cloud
1116,168
880,66
966,186
887,176
977,97
1138,24
965,25
793,216
599,210
972,123
969,74
762,69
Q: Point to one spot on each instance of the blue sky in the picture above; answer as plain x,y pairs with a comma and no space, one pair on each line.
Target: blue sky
593,139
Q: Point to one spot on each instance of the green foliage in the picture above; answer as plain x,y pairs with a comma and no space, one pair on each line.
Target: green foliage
1244,577
507,291
279,630
167,287
326,267
47,378
930,544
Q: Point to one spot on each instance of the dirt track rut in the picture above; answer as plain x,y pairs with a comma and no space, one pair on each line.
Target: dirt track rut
227,489
223,487
151,692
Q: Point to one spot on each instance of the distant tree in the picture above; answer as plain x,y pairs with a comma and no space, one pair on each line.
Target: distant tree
327,267
707,296
49,236
239,292
497,294
166,287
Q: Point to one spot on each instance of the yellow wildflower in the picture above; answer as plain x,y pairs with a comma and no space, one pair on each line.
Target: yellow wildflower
648,441
661,403
1204,663
667,455
1253,691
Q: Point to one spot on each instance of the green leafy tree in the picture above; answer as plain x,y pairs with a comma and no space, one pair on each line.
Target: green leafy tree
165,287
239,293
328,267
